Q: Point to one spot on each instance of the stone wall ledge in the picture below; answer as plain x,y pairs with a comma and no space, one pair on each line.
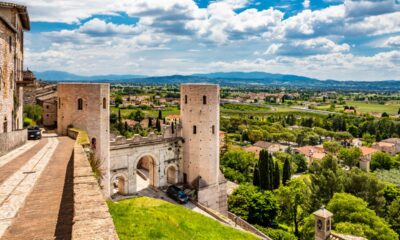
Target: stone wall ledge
92,219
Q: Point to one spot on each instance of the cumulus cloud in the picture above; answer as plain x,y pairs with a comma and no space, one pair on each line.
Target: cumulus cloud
392,42
226,31
313,46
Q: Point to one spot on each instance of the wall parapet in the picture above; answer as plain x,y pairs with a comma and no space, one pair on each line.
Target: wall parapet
247,226
92,219
12,140
167,136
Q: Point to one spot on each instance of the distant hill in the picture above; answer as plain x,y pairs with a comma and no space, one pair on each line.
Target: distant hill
243,79
65,76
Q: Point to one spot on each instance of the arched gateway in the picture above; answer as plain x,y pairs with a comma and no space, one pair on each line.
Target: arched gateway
142,162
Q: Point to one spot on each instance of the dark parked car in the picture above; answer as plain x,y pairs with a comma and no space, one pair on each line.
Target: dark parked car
177,194
34,133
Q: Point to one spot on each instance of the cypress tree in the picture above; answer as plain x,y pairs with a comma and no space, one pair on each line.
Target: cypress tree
159,114
119,115
172,128
277,180
271,172
286,172
150,122
263,170
256,176
158,125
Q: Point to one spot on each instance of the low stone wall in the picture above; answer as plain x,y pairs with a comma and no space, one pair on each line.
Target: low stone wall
247,226
92,220
12,140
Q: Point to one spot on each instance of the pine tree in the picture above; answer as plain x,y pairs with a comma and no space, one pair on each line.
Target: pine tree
286,175
277,180
256,176
158,125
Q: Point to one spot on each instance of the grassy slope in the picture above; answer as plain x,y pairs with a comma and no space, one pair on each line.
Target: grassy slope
147,218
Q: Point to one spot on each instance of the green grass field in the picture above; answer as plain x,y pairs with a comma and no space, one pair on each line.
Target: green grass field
147,218
363,107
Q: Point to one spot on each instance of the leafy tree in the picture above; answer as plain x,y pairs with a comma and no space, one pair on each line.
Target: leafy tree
286,175
326,179
350,156
113,118
137,115
385,114
381,160
276,234
301,163
368,138
331,147
352,216
33,112
393,215
238,165
367,187
294,201
118,100
277,178
254,205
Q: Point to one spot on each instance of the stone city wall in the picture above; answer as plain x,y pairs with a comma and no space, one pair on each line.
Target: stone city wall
92,219
11,140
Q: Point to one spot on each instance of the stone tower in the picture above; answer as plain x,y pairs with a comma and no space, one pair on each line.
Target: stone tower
200,130
322,224
86,106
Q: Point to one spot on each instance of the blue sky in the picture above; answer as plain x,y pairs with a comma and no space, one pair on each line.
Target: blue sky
325,39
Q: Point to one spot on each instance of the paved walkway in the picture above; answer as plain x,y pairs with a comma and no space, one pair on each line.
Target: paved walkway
36,198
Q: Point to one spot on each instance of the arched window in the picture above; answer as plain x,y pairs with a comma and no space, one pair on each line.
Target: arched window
5,126
194,129
204,100
80,104
186,99
104,103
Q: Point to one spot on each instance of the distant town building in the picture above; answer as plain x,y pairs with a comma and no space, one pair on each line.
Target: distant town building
311,153
366,157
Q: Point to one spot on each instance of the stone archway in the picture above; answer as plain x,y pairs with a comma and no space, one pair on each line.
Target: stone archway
172,175
146,172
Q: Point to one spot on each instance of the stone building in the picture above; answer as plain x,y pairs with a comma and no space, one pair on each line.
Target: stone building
49,104
14,20
200,130
85,106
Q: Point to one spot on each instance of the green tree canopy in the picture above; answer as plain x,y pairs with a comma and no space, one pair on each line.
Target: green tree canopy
238,165
254,205
352,216
350,156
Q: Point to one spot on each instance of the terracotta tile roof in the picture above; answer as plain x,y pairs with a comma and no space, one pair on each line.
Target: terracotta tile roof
337,236
367,150
263,144
253,149
385,144
392,140
173,117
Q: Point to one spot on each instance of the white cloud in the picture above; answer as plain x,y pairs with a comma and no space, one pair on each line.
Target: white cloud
392,42
306,4
375,25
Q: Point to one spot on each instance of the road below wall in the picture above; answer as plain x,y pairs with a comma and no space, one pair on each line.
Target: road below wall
36,197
